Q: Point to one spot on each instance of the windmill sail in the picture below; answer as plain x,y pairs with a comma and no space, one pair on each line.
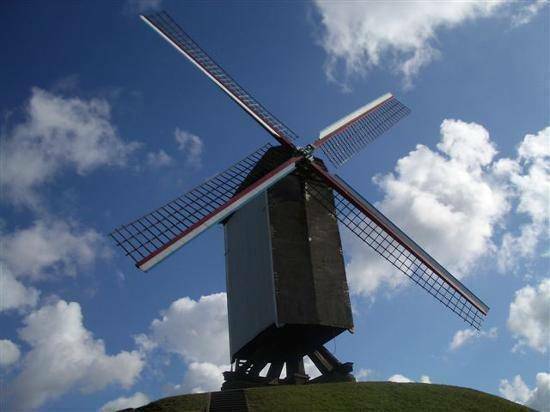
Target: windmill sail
151,238
341,140
174,34
378,232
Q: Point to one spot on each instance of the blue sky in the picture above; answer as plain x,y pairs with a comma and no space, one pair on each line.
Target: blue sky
103,121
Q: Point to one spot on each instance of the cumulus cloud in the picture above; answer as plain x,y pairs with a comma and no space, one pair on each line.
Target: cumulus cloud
363,35
529,316
359,36
195,329
135,401
517,391
202,377
64,355
191,146
362,374
50,246
398,378
455,184
464,336
528,179
425,379
468,193
57,133
9,352
367,271
13,294
540,397
515,247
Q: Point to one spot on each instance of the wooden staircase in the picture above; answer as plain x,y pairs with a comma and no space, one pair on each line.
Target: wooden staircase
230,400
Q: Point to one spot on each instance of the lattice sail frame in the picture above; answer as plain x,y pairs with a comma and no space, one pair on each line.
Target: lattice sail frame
190,214
175,35
152,237
418,266
351,134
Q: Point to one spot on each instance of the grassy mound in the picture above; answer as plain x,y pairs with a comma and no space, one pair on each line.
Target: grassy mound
361,396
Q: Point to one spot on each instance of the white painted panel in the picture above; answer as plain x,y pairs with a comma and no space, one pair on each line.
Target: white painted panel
339,123
250,293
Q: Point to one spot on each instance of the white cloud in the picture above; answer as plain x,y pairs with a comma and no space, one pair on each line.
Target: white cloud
468,144
528,178
367,271
540,398
191,145
57,133
464,336
50,247
399,378
195,329
359,36
9,353
135,401
64,355
145,343
517,391
159,159
202,377
13,294
456,186
425,379
363,35
535,147
515,247
461,337
362,374
468,193
403,379
529,317
525,14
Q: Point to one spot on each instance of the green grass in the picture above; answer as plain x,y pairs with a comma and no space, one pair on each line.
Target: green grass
375,396
194,402
362,396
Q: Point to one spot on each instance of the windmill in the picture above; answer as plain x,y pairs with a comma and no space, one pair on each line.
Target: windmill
280,207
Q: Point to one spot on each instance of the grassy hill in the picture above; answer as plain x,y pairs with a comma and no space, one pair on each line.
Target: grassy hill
361,396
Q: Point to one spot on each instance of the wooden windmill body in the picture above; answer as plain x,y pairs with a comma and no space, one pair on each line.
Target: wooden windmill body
286,283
